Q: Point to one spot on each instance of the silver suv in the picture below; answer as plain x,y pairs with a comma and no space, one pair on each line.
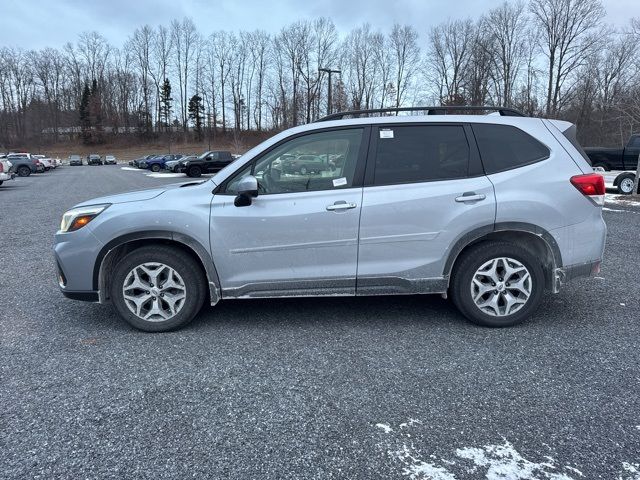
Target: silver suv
491,210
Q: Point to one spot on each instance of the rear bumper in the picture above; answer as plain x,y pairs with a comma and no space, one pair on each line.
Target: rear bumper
566,274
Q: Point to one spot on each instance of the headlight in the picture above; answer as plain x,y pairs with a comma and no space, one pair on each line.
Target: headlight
76,218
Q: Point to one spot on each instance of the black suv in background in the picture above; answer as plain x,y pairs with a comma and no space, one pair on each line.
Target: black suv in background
208,162
94,159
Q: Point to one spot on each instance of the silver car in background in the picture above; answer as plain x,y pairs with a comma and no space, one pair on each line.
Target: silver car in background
490,210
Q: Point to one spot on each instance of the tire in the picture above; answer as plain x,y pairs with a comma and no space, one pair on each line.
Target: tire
605,166
468,266
189,275
155,168
1,182
194,172
303,170
23,171
626,183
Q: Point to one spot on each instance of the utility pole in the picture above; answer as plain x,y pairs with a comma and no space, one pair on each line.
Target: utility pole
329,71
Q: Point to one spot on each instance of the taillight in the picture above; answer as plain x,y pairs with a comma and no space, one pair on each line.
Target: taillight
590,185
1,167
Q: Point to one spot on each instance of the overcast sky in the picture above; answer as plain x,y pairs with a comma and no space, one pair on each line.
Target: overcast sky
42,23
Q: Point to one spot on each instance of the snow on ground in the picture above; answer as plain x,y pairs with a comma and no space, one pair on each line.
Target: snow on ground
498,461
622,200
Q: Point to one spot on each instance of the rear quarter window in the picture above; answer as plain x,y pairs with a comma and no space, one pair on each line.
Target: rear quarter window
503,147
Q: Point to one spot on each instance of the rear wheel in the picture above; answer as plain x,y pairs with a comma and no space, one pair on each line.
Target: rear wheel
497,284
23,171
626,183
158,288
194,172
155,167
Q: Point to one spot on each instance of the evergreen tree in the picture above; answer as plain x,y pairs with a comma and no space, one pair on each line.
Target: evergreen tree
85,118
165,103
95,114
196,115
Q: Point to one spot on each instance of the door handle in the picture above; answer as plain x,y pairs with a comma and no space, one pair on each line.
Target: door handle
341,205
470,197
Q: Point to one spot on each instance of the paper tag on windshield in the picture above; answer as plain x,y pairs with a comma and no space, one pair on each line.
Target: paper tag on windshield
386,133
339,182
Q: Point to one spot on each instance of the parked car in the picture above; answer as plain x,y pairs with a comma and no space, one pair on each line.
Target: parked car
616,158
157,163
491,211
304,164
23,164
46,161
208,162
173,165
5,170
94,159
135,163
110,160
75,160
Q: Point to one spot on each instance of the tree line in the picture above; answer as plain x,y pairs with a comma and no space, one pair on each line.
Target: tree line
553,58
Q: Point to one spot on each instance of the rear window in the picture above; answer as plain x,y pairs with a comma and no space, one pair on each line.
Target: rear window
503,147
421,153
571,135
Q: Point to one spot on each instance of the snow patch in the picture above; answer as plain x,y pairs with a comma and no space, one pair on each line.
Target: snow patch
165,175
385,427
504,461
631,471
621,200
131,169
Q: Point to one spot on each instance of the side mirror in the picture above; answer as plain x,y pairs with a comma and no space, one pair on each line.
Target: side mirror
247,189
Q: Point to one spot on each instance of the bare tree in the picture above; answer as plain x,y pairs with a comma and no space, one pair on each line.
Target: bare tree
506,26
405,54
450,49
567,28
184,37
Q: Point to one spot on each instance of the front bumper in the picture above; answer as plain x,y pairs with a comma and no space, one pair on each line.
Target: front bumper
75,255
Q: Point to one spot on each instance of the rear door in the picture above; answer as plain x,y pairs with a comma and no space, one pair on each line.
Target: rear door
424,189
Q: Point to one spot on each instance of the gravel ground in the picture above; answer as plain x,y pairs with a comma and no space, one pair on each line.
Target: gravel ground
390,387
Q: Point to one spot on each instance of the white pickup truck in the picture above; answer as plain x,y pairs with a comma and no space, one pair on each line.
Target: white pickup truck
5,167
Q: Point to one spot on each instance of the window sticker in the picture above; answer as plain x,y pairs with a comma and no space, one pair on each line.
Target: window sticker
339,182
386,133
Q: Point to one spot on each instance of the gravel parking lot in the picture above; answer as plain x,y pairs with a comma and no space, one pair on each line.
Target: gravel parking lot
390,387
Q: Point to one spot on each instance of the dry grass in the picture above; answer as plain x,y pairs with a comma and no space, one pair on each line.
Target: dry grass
130,148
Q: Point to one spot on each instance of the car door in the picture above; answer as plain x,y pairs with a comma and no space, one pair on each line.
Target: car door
424,190
631,153
299,235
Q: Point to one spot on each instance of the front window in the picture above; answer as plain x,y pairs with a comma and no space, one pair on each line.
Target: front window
317,161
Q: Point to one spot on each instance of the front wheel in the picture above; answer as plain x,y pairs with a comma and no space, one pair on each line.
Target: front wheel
155,168
497,284
158,288
194,172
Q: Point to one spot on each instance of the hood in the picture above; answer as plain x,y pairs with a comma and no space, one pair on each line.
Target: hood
142,195
127,197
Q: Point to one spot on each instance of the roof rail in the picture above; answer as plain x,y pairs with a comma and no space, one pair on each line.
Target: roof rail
441,110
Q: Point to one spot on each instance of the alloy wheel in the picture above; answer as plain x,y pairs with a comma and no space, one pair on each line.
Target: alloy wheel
501,286
154,292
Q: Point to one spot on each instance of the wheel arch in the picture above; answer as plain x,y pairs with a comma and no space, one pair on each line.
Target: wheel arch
537,239
120,246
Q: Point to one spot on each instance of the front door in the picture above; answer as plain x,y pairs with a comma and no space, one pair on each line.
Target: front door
299,236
